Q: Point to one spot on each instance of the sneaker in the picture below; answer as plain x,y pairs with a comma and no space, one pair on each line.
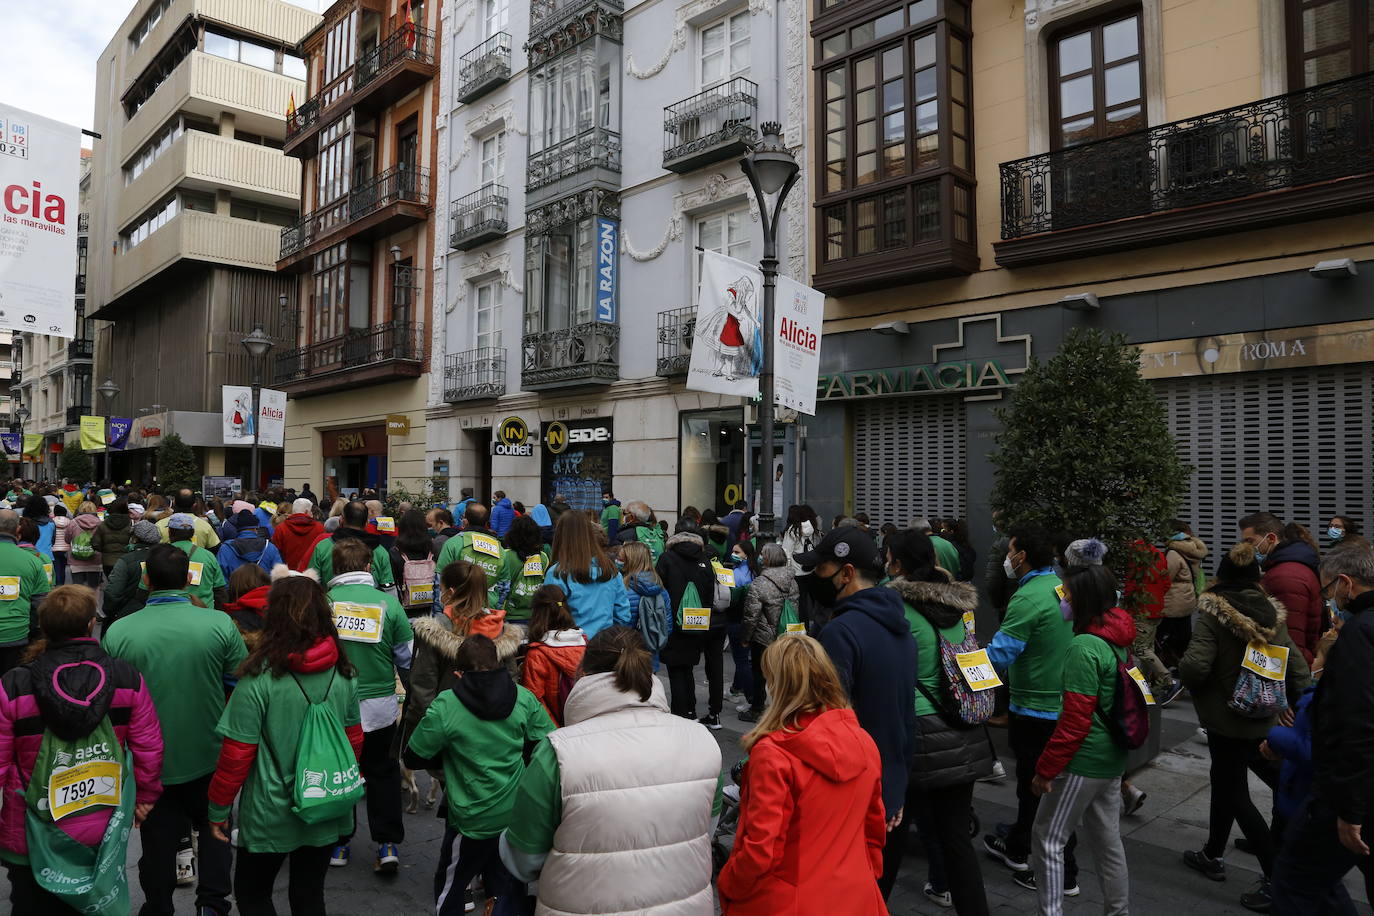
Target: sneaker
1198,860
751,715
997,848
712,722
1026,879
1260,899
736,692
388,859
939,898
469,901
1131,800
186,868
1169,693
339,858
742,707
998,772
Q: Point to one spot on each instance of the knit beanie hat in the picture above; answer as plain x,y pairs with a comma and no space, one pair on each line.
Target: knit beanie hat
1085,552
146,532
1239,567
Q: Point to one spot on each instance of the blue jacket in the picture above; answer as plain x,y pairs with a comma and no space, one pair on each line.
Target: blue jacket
596,605
502,515
540,514
248,547
46,530
1294,744
870,642
264,518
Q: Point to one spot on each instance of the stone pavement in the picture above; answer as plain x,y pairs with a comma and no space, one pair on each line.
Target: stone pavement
1174,818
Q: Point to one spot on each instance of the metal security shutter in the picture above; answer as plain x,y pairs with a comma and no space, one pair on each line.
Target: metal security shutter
909,459
1298,443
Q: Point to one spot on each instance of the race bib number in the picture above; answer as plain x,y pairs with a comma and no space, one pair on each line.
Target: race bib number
977,670
9,588
485,543
358,622
696,619
386,524
534,566
968,622
1061,593
421,594
725,577
1269,662
269,507
106,498
47,568
195,569
1143,684
796,628
73,789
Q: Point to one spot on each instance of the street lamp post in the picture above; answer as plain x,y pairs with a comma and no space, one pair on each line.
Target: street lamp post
771,170
23,414
108,390
258,345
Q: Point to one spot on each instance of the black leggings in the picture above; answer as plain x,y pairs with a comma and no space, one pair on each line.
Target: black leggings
257,871
946,813
1231,804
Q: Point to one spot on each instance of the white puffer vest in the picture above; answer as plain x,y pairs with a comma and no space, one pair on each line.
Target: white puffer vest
638,785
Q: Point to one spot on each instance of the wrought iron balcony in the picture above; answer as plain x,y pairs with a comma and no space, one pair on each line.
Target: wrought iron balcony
475,374
547,15
596,149
1278,160
398,185
83,222
582,354
710,126
306,115
484,67
403,61
362,356
76,412
675,330
77,348
478,218
81,284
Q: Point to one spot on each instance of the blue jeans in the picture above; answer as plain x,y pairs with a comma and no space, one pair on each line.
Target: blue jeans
59,567
1309,869
739,651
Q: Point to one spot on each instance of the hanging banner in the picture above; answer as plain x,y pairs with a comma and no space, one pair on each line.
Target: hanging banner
797,348
39,159
607,264
727,345
238,415
120,427
272,417
11,443
93,433
33,446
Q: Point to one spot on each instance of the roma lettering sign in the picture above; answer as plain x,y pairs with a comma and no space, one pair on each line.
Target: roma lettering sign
958,376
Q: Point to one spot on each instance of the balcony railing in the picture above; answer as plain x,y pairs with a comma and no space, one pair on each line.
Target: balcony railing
675,330
399,184
709,126
478,218
582,353
475,374
597,148
1277,144
408,43
81,284
306,115
83,222
76,412
484,67
78,348
355,349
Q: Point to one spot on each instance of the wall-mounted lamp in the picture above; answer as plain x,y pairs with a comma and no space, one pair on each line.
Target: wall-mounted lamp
1081,302
395,254
892,328
1336,269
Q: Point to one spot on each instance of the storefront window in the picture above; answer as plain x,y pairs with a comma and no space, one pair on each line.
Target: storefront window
580,471
711,445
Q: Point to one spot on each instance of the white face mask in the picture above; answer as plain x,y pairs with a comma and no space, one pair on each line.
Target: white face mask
1008,568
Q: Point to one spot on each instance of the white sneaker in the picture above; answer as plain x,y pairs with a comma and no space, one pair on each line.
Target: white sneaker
942,900
998,772
186,868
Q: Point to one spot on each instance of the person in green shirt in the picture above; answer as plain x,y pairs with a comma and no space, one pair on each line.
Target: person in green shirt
184,653
298,663
23,586
205,534
479,545
351,525
1079,771
524,563
477,732
378,640
610,515
207,578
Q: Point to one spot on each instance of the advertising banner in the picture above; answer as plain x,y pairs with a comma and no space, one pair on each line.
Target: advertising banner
607,265
120,427
33,446
39,160
239,428
272,417
223,487
797,351
727,345
11,442
92,433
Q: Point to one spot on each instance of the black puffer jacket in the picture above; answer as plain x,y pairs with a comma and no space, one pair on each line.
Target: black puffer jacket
685,559
945,756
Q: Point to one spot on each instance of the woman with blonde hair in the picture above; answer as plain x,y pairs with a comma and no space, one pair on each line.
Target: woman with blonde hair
649,605
812,822
582,568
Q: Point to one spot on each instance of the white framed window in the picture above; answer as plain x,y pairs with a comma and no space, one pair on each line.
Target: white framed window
727,232
495,16
488,314
725,50
494,158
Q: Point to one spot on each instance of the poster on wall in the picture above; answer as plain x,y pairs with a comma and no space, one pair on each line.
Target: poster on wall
797,352
39,160
727,345
577,461
272,416
239,428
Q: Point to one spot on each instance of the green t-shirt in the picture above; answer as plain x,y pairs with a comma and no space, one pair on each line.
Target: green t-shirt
929,669
268,711
525,577
482,548
206,575
183,652
322,561
483,758
1090,669
1036,678
371,624
22,578
610,514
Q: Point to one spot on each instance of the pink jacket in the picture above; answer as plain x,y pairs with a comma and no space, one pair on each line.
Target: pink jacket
88,522
78,685
59,535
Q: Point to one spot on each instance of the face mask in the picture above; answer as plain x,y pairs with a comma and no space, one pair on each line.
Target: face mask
1179,537
821,590
1335,533
1009,569
1336,612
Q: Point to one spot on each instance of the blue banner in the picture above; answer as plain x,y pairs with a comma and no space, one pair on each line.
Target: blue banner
12,443
607,242
120,427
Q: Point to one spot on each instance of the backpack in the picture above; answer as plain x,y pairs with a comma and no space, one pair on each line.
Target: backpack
326,781
655,623
650,536
961,706
692,615
417,582
1129,722
1260,692
789,621
81,548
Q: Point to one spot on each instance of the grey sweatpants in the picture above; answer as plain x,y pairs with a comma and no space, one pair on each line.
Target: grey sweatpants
1093,808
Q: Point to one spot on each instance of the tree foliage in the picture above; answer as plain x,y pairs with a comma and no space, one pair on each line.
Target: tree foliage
176,465
1085,449
75,464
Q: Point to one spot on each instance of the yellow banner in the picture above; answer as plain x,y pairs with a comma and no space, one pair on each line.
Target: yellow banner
92,433
33,446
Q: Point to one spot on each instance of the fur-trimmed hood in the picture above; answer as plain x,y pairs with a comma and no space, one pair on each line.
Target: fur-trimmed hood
1242,612
942,603
685,537
1190,548
437,633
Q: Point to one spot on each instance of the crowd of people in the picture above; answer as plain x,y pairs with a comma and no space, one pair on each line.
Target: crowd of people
238,677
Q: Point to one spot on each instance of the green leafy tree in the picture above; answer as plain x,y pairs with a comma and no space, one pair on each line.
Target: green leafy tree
75,464
1085,449
176,465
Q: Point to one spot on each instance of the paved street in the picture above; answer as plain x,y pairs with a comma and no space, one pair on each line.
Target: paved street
1174,818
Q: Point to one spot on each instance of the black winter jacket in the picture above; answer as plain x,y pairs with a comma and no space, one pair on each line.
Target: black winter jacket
1342,728
685,559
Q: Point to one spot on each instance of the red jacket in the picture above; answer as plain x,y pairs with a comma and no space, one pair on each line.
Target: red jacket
557,654
1152,579
296,538
811,829
1290,575
1076,717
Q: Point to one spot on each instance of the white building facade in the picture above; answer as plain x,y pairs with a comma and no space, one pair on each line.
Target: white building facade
587,151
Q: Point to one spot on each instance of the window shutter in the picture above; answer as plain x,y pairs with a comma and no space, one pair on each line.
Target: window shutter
909,459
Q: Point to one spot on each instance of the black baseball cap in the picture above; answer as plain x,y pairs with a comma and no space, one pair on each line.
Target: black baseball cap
843,545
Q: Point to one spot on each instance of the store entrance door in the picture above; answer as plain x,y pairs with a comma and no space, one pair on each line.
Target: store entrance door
355,458
786,475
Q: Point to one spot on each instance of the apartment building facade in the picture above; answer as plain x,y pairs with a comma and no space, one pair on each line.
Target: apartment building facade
1195,174
588,151
190,193
361,254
